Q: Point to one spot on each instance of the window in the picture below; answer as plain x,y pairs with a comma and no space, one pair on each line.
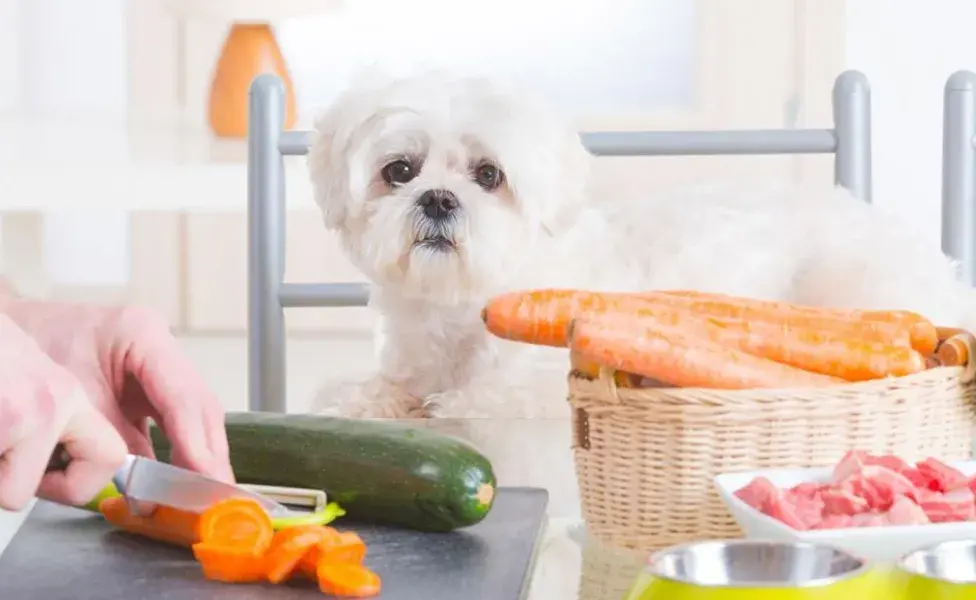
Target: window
586,58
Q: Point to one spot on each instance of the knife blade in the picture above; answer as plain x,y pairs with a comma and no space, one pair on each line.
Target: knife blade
149,482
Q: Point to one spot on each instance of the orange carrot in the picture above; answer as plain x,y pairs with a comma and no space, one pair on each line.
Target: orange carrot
945,333
336,547
166,524
236,522
542,316
806,348
347,548
230,564
348,580
288,548
673,356
310,561
922,333
953,352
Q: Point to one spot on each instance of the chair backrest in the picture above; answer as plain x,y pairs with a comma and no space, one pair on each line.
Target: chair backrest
959,172
268,295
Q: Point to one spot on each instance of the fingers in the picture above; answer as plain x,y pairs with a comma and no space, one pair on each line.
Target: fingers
22,467
96,450
190,415
60,412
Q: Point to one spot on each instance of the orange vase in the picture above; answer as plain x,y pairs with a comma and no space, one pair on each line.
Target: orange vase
249,50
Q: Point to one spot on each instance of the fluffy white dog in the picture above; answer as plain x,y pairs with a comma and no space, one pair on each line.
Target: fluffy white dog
447,190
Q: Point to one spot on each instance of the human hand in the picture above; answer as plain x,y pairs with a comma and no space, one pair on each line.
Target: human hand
132,369
42,404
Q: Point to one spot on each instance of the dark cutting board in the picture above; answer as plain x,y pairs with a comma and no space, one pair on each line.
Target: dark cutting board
68,554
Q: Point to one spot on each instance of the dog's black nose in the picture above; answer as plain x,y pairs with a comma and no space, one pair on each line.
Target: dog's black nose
438,204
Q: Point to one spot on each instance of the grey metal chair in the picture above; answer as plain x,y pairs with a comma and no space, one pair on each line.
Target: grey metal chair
959,172
268,294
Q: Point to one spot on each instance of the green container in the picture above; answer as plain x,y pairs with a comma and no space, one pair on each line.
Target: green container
945,571
757,570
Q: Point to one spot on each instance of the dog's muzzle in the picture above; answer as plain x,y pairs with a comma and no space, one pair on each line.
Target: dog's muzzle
437,212
438,205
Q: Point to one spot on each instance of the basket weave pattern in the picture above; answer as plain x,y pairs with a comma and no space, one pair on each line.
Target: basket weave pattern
645,458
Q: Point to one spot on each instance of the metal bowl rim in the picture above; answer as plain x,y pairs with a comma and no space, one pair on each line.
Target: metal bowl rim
931,549
864,564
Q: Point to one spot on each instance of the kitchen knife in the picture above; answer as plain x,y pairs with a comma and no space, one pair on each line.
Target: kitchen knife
149,482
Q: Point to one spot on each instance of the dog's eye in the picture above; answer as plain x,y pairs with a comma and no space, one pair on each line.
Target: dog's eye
398,172
488,176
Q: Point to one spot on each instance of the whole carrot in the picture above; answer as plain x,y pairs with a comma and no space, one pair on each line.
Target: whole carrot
679,358
810,349
542,316
920,332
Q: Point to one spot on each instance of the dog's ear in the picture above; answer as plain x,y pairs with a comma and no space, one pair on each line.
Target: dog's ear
328,171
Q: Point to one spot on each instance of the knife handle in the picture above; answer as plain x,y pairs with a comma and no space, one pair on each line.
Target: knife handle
59,459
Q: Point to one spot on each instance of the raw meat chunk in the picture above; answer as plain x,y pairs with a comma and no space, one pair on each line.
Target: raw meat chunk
958,505
757,493
841,501
942,477
904,511
869,491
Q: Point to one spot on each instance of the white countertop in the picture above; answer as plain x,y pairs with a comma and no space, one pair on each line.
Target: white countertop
556,576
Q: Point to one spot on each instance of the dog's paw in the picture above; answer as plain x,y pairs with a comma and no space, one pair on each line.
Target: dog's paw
462,404
370,399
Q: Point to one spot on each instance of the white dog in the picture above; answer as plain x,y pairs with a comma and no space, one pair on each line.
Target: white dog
447,190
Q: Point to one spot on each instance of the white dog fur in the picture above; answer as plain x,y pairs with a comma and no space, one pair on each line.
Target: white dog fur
546,225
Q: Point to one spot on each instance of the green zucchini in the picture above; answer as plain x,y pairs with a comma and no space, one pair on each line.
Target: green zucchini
378,471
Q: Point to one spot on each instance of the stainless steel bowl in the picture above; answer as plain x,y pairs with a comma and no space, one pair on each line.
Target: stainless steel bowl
952,562
755,564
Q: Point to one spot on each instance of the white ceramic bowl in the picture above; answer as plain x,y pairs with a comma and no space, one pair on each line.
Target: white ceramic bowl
883,544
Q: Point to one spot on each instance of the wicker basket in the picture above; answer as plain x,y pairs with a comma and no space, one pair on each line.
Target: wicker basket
608,573
645,458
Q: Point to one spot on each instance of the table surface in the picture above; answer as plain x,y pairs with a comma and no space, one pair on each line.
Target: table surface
564,569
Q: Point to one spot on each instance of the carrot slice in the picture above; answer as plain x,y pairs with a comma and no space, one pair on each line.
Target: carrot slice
348,548
674,356
335,547
166,524
348,580
230,564
288,548
237,522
